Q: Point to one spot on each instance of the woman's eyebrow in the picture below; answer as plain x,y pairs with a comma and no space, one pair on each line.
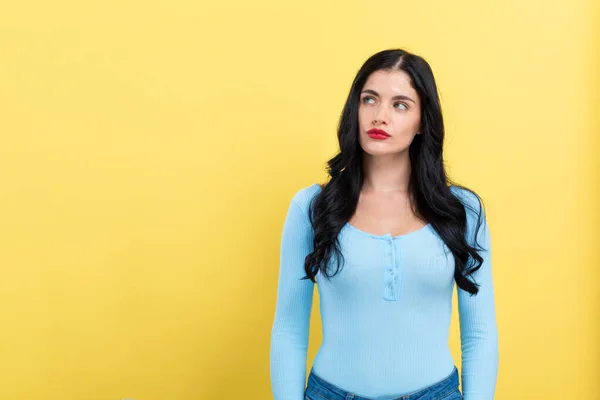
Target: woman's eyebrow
398,97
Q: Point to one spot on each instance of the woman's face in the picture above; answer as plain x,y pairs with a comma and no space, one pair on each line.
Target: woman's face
390,104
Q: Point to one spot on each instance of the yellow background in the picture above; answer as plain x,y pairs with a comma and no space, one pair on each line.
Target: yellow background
149,150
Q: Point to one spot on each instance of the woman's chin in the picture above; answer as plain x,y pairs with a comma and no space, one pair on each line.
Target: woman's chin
380,149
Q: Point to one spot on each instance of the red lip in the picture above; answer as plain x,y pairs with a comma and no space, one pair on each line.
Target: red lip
378,133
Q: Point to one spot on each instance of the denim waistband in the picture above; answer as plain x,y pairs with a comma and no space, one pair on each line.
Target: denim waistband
328,391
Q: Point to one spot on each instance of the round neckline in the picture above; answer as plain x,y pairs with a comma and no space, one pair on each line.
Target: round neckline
387,235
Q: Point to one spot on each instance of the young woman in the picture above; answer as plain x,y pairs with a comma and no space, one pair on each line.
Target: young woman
385,240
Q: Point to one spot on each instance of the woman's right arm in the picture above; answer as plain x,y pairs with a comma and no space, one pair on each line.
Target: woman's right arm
289,336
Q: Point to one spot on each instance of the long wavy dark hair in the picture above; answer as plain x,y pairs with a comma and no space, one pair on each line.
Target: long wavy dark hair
428,186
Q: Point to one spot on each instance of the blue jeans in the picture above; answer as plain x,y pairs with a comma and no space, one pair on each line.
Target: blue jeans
446,389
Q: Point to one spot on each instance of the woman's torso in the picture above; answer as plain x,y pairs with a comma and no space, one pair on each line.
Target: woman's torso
386,315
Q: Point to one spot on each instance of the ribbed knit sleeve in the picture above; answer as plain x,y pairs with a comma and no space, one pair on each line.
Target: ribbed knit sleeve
477,315
289,336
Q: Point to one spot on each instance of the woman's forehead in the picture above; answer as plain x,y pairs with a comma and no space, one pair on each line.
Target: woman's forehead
390,83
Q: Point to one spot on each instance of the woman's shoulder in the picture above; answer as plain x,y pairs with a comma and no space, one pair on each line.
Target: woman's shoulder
474,207
305,195
466,196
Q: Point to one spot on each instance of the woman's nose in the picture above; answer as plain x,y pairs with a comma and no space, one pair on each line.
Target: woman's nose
381,115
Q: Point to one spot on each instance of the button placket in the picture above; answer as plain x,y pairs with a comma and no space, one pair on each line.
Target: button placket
391,272
394,270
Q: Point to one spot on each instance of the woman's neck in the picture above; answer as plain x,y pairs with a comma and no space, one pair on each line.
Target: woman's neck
387,173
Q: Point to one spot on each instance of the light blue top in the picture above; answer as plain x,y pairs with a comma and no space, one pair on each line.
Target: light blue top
386,315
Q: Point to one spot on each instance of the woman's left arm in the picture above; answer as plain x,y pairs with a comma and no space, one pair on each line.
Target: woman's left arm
478,326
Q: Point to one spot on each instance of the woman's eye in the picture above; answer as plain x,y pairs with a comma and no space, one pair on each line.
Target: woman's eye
403,105
367,98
